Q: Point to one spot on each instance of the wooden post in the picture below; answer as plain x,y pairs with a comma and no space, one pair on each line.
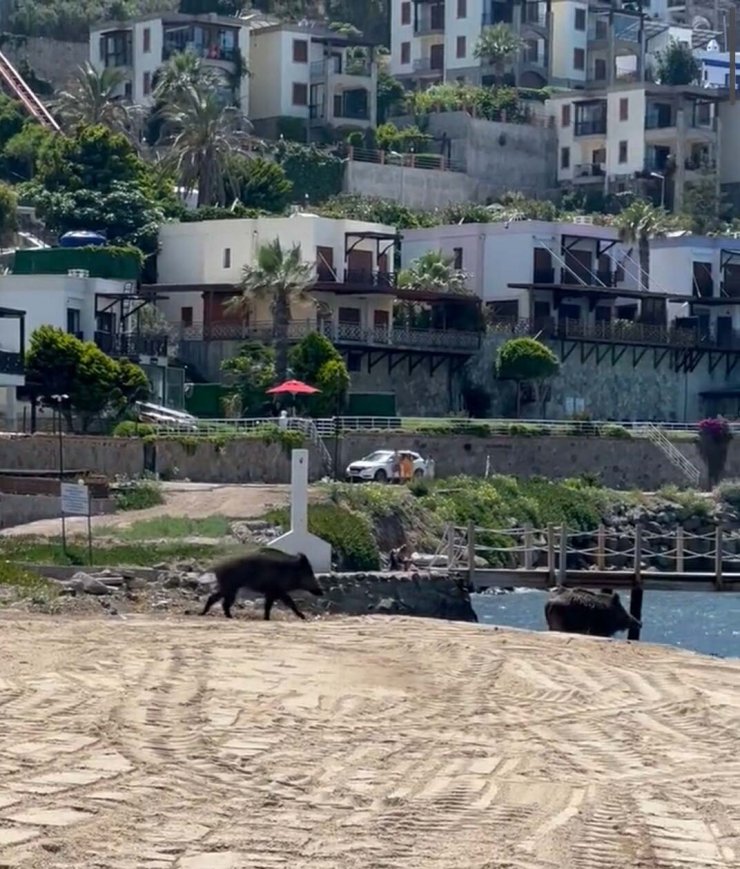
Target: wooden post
528,551
551,555
636,594
680,542
450,546
600,547
471,555
718,558
563,562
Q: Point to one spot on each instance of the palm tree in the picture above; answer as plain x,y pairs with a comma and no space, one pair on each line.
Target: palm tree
92,99
498,45
282,277
183,70
203,136
637,224
434,271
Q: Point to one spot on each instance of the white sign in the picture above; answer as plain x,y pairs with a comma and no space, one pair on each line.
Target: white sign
75,499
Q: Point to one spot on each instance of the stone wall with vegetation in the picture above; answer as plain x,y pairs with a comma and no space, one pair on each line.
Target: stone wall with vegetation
52,60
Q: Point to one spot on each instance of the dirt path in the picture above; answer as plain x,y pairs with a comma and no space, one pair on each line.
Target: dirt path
393,743
196,500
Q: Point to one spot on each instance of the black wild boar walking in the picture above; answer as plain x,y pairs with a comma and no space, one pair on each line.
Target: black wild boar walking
581,611
268,572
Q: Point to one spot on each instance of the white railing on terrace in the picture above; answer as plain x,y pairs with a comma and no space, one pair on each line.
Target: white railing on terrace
326,427
411,161
674,455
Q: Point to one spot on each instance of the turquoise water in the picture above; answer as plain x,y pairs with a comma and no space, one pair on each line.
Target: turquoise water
704,622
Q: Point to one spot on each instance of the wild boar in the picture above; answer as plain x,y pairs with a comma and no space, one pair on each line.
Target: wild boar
268,572
582,611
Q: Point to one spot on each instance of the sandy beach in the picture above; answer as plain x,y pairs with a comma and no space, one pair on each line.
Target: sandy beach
375,742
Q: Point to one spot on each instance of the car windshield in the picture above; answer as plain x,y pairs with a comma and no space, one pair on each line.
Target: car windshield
378,456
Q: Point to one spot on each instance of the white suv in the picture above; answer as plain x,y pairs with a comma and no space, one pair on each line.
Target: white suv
378,466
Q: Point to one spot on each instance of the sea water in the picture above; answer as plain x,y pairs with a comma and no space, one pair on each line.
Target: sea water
707,622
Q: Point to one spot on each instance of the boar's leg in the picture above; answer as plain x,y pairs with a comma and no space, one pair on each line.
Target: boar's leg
214,598
269,601
289,602
228,603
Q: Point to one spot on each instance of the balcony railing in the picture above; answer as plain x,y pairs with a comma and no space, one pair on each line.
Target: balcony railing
589,170
613,331
11,363
131,344
205,52
360,68
590,127
341,334
428,26
361,278
428,64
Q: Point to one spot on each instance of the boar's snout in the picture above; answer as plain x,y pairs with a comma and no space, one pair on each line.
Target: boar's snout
311,584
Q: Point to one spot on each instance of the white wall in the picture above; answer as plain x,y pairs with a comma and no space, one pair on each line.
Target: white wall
631,131
401,33
469,27
565,38
265,81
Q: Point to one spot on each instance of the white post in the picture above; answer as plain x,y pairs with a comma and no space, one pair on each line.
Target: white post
299,492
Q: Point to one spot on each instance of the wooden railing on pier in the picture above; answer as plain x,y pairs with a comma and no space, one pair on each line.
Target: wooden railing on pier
526,557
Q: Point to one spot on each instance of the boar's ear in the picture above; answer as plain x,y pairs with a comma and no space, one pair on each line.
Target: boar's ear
615,598
303,560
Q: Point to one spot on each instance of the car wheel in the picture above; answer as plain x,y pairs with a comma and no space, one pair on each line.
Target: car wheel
381,476
418,474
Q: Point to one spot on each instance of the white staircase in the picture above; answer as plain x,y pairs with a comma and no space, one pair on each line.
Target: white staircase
674,455
308,428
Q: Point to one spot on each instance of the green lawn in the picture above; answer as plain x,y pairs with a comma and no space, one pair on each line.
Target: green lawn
169,528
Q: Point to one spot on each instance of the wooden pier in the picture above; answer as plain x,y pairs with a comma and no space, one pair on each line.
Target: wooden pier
539,559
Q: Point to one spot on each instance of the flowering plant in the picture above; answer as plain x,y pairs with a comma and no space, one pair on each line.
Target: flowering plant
716,429
714,442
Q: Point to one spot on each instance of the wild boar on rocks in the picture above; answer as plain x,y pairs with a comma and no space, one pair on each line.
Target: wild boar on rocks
582,611
268,572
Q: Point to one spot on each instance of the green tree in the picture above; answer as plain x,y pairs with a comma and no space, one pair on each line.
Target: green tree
316,361
390,94
12,118
434,271
8,214
258,183
525,360
498,46
92,98
282,277
676,65
637,224
250,374
205,135
21,151
704,207
58,363
182,71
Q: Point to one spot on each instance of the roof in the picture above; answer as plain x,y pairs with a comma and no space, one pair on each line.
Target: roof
167,18
656,90
595,291
317,31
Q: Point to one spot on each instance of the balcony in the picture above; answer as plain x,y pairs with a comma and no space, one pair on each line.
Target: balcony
590,127
321,69
11,363
588,171
131,345
425,65
429,26
342,334
361,279
534,15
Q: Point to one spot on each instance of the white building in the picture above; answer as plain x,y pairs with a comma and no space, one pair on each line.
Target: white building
12,341
312,73
200,265
94,309
715,68
139,48
619,138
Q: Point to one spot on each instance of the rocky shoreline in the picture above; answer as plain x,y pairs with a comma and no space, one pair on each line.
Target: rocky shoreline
183,588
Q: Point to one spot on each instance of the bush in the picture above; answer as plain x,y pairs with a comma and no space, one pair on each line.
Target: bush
729,491
348,533
616,431
138,494
131,429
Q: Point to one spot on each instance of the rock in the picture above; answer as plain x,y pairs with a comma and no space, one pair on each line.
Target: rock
161,604
389,606
135,583
172,581
89,584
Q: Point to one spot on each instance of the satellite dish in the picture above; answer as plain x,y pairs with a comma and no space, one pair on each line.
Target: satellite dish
699,22
712,45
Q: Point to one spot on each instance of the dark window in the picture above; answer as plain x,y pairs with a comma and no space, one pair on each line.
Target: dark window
461,46
354,362
300,51
565,158
300,94
599,69
147,40
405,52
580,19
624,109
147,83
623,152
579,58
227,258
462,8
437,57
457,257
565,115
73,321
405,13
186,316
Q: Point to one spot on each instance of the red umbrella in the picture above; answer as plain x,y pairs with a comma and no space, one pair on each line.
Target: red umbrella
293,387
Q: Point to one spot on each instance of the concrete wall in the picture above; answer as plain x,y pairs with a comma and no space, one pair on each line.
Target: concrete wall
52,60
20,509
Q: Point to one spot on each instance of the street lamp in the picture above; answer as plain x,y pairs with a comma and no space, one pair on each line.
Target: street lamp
58,402
661,178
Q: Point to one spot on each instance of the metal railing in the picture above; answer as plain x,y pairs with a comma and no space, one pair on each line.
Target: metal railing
595,127
325,427
342,333
11,363
132,344
411,161
674,455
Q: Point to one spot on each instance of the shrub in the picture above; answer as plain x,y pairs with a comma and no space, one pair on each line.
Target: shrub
138,494
129,428
615,431
729,491
348,533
